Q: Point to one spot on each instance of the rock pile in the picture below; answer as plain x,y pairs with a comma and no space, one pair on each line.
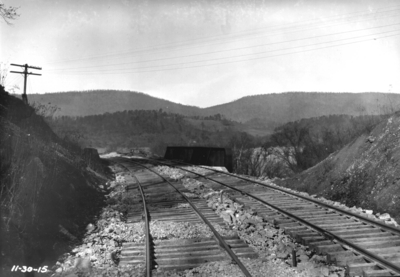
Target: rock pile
100,248
98,253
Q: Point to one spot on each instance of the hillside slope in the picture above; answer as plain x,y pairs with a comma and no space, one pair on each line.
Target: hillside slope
49,189
365,173
284,107
108,101
261,112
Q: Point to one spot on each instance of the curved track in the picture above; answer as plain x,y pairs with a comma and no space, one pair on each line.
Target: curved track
162,201
365,246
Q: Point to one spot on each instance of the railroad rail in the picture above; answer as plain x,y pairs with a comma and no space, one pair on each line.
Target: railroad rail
177,254
365,246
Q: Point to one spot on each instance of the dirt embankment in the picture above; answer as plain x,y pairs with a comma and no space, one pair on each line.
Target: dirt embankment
365,173
49,189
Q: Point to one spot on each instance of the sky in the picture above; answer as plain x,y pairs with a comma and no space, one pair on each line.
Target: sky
204,52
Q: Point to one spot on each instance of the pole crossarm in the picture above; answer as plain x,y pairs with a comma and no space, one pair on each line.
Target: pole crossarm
28,66
26,73
30,73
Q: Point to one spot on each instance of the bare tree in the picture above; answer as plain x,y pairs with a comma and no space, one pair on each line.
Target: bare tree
241,150
8,13
283,155
291,139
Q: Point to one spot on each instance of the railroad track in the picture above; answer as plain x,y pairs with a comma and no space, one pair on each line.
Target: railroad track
162,200
364,246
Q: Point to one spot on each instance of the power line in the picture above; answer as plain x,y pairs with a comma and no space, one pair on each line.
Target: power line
225,50
13,83
174,45
230,62
26,73
239,56
11,80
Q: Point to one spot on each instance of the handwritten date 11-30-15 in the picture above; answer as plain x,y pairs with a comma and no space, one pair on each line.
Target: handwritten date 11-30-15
25,268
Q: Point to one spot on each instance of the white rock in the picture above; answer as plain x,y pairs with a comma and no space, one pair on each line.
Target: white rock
368,211
82,263
384,216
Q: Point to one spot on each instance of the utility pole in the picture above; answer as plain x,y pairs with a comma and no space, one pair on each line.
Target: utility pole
26,73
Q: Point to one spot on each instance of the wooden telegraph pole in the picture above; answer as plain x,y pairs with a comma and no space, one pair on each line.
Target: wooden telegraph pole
26,73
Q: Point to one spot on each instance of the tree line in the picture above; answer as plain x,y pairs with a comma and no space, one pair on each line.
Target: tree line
141,128
290,149
298,145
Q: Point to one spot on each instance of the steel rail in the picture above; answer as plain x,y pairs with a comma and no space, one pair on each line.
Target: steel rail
147,227
388,228
326,233
220,240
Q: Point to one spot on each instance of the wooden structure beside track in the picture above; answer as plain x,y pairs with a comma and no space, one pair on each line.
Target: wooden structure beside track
201,155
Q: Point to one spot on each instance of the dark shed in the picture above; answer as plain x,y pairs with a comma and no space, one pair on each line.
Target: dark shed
200,155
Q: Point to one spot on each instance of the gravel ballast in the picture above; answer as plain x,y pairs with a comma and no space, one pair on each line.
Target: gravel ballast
273,246
99,251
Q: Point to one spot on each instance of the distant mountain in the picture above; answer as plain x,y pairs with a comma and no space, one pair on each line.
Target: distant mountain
261,112
74,103
285,107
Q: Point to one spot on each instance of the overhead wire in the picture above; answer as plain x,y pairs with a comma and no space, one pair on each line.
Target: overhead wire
225,50
15,81
10,79
228,62
174,45
128,70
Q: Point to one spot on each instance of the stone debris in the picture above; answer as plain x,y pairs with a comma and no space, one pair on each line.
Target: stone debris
370,139
99,251
271,243
384,216
170,172
387,219
177,174
163,230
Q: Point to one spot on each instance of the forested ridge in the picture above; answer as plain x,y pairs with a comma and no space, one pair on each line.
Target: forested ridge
280,108
145,128
83,103
298,128
261,113
304,142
